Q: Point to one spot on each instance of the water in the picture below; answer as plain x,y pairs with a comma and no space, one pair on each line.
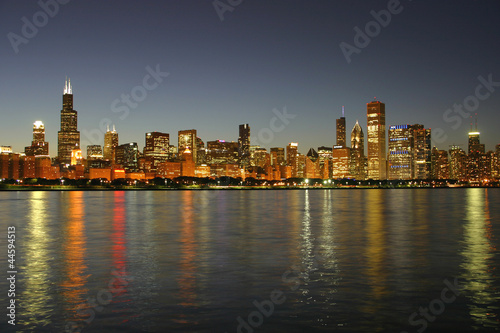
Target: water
214,261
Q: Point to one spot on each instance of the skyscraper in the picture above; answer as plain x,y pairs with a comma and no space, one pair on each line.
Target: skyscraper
375,112
475,145
187,139
94,152
110,143
277,156
157,148
400,152
341,133
421,152
458,163
244,145
69,136
127,156
38,145
292,152
358,159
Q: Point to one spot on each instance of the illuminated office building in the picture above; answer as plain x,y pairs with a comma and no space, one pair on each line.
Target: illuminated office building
244,145
69,136
475,145
400,152
375,112
38,145
458,163
421,152
157,148
278,156
439,164
127,156
187,139
292,153
358,158
341,133
110,143
221,152
94,152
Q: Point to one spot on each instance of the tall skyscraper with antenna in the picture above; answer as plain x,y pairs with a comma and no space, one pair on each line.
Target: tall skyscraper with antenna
68,138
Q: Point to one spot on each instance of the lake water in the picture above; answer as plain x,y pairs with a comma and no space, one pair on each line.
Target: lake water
374,260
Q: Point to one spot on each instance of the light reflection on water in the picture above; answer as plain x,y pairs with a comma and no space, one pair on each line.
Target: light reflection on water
479,251
359,260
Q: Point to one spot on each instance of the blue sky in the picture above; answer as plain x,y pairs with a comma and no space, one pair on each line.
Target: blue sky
264,55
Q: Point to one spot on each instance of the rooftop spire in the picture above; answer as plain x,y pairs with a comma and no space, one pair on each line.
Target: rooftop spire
342,111
67,86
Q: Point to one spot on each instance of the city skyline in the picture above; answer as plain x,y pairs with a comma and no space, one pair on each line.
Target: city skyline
215,74
69,123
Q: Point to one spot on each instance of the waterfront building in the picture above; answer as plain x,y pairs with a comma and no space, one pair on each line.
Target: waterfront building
187,139
38,146
68,136
375,112
244,145
341,131
157,148
358,161
110,143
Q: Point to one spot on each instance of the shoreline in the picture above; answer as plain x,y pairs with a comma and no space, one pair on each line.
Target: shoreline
219,188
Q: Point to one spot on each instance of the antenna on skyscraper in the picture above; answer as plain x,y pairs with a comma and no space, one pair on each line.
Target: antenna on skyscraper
476,121
342,111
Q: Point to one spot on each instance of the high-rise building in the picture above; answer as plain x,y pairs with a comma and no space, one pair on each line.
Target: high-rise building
341,157
5,149
358,158
312,168
439,164
400,152
68,136
127,155
187,139
495,170
375,112
292,152
421,152
110,143
259,157
94,152
458,163
341,133
278,156
221,151
475,145
38,145
201,152
325,161
244,145
157,148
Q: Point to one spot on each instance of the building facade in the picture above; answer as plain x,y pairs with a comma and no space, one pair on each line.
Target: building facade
68,138
375,112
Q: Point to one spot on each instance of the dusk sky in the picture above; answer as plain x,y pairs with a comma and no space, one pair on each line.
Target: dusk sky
263,55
